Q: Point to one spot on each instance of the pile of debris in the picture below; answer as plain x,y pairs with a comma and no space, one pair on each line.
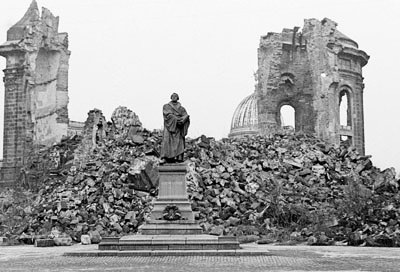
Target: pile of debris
104,187
279,187
291,186
44,163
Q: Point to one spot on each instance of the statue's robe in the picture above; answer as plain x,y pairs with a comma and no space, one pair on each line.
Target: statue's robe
173,143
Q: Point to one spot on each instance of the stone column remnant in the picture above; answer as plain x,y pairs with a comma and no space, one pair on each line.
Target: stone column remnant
36,88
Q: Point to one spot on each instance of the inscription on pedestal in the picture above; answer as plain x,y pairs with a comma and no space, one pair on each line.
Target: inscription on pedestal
172,212
172,183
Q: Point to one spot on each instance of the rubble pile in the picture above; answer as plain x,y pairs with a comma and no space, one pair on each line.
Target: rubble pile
290,186
104,188
280,187
44,163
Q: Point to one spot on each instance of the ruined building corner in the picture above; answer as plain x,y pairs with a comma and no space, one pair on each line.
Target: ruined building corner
35,87
318,72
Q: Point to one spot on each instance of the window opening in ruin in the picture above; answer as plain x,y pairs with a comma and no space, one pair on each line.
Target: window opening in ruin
345,110
287,117
345,63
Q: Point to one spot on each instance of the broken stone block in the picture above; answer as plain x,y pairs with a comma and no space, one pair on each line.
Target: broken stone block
143,175
318,170
137,139
293,162
117,227
44,243
217,230
95,236
312,241
85,240
130,216
63,240
3,241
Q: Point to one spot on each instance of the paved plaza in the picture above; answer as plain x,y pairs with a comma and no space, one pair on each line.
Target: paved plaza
280,258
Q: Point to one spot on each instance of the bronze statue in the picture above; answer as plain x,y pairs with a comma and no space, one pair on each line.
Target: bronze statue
176,124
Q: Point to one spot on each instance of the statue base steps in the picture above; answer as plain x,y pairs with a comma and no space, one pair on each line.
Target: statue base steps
163,227
169,242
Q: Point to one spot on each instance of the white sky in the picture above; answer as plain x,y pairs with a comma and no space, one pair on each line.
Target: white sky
136,53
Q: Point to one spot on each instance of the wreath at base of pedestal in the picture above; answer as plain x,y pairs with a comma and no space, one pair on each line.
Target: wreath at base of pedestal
172,213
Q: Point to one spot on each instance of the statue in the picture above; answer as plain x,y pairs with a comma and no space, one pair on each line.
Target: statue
176,124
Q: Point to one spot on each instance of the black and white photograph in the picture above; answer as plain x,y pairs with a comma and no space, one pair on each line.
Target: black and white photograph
199,135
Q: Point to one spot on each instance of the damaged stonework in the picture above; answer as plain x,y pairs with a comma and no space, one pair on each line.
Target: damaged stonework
126,122
36,87
315,71
94,131
75,128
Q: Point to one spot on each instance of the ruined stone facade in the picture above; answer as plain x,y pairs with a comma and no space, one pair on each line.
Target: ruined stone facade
312,70
36,88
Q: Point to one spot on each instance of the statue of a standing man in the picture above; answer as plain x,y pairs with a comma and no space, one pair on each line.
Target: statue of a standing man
176,124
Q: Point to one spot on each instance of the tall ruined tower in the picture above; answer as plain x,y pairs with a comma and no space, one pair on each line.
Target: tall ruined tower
36,88
316,71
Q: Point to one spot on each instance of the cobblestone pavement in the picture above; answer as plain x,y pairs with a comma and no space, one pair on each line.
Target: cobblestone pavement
288,258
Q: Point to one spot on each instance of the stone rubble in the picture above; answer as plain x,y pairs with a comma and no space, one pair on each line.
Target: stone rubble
293,187
275,188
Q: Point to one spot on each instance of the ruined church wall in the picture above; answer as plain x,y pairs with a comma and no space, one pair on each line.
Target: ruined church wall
283,79
50,97
310,70
36,88
322,73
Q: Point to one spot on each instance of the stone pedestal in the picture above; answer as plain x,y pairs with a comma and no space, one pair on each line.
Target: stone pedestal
172,201
172,225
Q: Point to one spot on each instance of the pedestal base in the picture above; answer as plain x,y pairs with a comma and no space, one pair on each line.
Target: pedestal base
172,225
172,194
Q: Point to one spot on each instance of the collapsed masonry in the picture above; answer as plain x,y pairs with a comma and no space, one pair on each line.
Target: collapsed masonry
36,89
315,71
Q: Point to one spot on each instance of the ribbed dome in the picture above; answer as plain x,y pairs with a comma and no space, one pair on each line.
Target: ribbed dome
245,118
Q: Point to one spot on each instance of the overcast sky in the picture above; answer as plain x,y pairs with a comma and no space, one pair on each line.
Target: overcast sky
136,53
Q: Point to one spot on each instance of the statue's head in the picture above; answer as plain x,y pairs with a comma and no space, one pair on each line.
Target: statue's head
174,97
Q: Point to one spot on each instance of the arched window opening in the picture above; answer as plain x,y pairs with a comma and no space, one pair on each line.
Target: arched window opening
288,120
345,109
